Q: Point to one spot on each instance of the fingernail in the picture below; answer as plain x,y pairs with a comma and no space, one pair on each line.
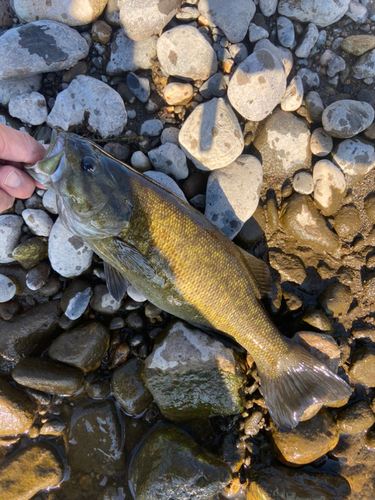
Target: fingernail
13,180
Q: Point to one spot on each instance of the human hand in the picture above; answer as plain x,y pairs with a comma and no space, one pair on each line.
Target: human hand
16,148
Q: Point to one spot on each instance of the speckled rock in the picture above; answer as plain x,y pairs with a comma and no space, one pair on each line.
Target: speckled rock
233,194
68,254
30,252
322,13
103,302
197,380
266,91
38,221
18,86
302,221
357,417
38,47
362,367
101,32
329,186
169,463
128,55
140,19
365,66
290,267
321,346
89,99
16,411
233,20
166,182
358,44
321,143
347,118
10,232
294,445
283,141
293,96
169,159
347,222
211,136
183,51
355,157
285,32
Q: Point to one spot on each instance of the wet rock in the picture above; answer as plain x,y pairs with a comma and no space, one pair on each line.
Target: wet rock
183,51
294,445
365,66
68,254
95,439
321,143
166,182
39,47
362,367
347,118
196,380
178,93
253,229
290,267
285,32
128,388
355,157
261,76
169,159
233,20
274,483
89,99
322,13
129,55
30,252
293,96
370,207
8,289
180,468
283,141
357,417
302,221
309,39
53,427
103,302
321,346
329,186
46,375
38,221
211,136
140,20
233,194
18,86
10,232
96,387
20,337
303,182
16,411
347,222
32,469
83,347
75,299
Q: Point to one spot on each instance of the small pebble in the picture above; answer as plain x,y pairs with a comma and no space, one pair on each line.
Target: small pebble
303,182
321,143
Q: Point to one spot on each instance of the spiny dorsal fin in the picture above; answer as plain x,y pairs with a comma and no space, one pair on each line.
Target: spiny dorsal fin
260,272
117,284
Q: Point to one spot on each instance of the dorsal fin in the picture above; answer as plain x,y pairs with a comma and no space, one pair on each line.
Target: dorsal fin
259,272
117,284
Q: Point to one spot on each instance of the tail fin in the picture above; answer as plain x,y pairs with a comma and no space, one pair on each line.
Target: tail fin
301,381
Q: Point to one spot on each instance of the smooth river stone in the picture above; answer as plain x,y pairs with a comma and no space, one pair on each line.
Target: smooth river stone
16,410
10,232
356,158
358,44
128,55
320,12
347,118
211,136
283,54
257,86
329,186
365,66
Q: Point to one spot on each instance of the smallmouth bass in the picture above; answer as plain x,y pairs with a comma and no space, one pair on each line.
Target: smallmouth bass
183,264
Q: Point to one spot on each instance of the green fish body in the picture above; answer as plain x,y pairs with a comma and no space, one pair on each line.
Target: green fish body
183,264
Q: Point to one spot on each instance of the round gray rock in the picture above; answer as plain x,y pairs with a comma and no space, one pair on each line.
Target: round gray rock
347,118
321,12
321,143
183,51
10,232
17,86
38,221
329,186
257,86
169,159
365,66
29,108
285,32
128,55
211,136
355,157
303,182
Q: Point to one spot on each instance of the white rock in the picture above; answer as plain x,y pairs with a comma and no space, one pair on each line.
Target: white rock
211,136
10,232
128,55
347,118
329,186
257,33
183,51
232,194
29,108
257,86
135,295
293,96
303,182
357,12
320,12
170,134
268,7
68,254
89,96
232,17
285,32
140,161
49,202
321,143
77,305
355,158
167,182
169,159
38,221
139,86
7,289
308,42
151,128
17,86
141,19
39,47
284,55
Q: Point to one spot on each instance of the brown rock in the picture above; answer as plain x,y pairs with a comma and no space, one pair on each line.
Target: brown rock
16,411
336,299
362,368
320,345
101,32
357,417
358,44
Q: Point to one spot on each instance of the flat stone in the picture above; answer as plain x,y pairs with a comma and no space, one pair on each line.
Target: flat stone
40,47
362,367
266,91
365,66
358,417
34,468
16,411
329,186
89,99
18,86
38,221
129,55
141,19
234,20
10,232
293,96
183,51
356,158
83,347
322,13
321,143
232,194
347,118
211,136
169,159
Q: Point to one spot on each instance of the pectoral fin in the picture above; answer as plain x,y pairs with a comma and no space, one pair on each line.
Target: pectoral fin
260,273
133,259
117,284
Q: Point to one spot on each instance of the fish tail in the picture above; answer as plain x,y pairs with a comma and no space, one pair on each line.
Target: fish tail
298,382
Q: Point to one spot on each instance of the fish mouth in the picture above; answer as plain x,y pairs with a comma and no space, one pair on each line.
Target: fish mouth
44,169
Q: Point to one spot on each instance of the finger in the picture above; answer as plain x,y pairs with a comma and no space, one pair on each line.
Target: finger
16,182
6,201
19,146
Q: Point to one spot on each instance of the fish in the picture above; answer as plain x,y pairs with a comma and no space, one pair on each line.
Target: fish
182,263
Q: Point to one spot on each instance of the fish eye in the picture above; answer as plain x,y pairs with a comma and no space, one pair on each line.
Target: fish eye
88,164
